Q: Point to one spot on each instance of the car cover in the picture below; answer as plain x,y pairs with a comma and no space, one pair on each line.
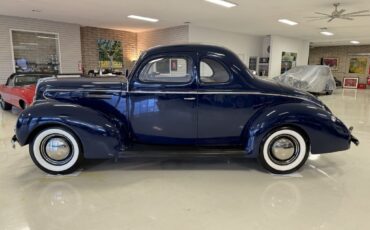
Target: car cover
310,78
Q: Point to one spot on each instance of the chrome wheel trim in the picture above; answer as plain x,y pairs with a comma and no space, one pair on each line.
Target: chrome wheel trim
294,162
38,156
56,149
283,149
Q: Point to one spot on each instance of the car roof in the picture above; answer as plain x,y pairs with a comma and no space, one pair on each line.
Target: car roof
187,48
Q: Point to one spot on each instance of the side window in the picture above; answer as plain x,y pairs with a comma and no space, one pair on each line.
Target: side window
212,71
167,70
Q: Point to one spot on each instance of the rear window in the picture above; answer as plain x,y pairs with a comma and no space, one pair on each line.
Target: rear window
212,71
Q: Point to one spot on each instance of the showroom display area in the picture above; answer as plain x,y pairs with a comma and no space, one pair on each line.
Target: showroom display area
342,56
184,115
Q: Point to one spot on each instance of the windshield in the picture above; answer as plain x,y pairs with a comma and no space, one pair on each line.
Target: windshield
23,80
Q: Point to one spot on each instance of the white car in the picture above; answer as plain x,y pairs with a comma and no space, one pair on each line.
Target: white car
311,78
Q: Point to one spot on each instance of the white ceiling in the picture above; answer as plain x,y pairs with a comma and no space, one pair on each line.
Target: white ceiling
256,17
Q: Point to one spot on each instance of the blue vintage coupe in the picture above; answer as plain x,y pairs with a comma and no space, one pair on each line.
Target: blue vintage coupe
196,95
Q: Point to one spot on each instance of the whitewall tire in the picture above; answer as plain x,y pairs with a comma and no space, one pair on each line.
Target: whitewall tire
56,150
284,151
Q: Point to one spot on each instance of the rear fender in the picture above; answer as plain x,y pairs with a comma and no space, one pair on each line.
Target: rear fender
317,125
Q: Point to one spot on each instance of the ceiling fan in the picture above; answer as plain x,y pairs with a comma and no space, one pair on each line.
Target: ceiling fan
339,14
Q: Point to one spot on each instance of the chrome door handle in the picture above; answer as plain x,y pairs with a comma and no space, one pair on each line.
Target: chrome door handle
189,98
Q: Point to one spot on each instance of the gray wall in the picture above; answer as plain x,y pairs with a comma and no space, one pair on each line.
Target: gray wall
167,36
69,40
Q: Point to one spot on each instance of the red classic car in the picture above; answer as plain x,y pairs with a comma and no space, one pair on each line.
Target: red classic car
19,90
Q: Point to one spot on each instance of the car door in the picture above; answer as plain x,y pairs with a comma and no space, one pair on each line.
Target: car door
224,105
163,100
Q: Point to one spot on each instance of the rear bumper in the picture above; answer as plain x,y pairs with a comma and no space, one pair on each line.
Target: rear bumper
353,139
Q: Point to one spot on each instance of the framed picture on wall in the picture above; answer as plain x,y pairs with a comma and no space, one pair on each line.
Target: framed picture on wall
358,65
350,82
110,54
331,62
288,61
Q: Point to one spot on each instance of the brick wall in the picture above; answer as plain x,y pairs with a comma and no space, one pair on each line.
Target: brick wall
167,36
69,39
344,53
90,54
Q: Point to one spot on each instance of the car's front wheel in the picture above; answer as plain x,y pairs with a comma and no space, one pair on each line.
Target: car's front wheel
56,150
4,105
284,151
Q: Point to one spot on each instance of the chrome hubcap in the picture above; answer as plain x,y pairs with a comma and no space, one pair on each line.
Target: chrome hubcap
284,149
57,149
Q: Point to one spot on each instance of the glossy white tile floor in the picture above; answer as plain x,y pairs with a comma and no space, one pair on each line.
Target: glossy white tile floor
330,192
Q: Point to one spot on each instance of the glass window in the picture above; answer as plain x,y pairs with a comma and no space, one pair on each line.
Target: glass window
30,79
10,82
169,70
35,52
212,71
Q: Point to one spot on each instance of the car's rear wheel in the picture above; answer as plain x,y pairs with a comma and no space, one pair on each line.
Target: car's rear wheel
4,105
56,150
284,151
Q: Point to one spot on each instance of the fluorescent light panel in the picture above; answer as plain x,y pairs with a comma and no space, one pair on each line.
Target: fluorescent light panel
222,3
355,42
143,18
288,22
327,33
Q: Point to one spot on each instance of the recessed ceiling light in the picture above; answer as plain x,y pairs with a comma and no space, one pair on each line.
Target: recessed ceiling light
288,22
143,18
327,33
222,3
355,42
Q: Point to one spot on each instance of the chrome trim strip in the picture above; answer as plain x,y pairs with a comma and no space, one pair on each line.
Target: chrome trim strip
85,90
214,92
181,92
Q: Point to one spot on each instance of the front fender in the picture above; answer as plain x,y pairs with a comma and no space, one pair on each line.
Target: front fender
324,132
102,134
